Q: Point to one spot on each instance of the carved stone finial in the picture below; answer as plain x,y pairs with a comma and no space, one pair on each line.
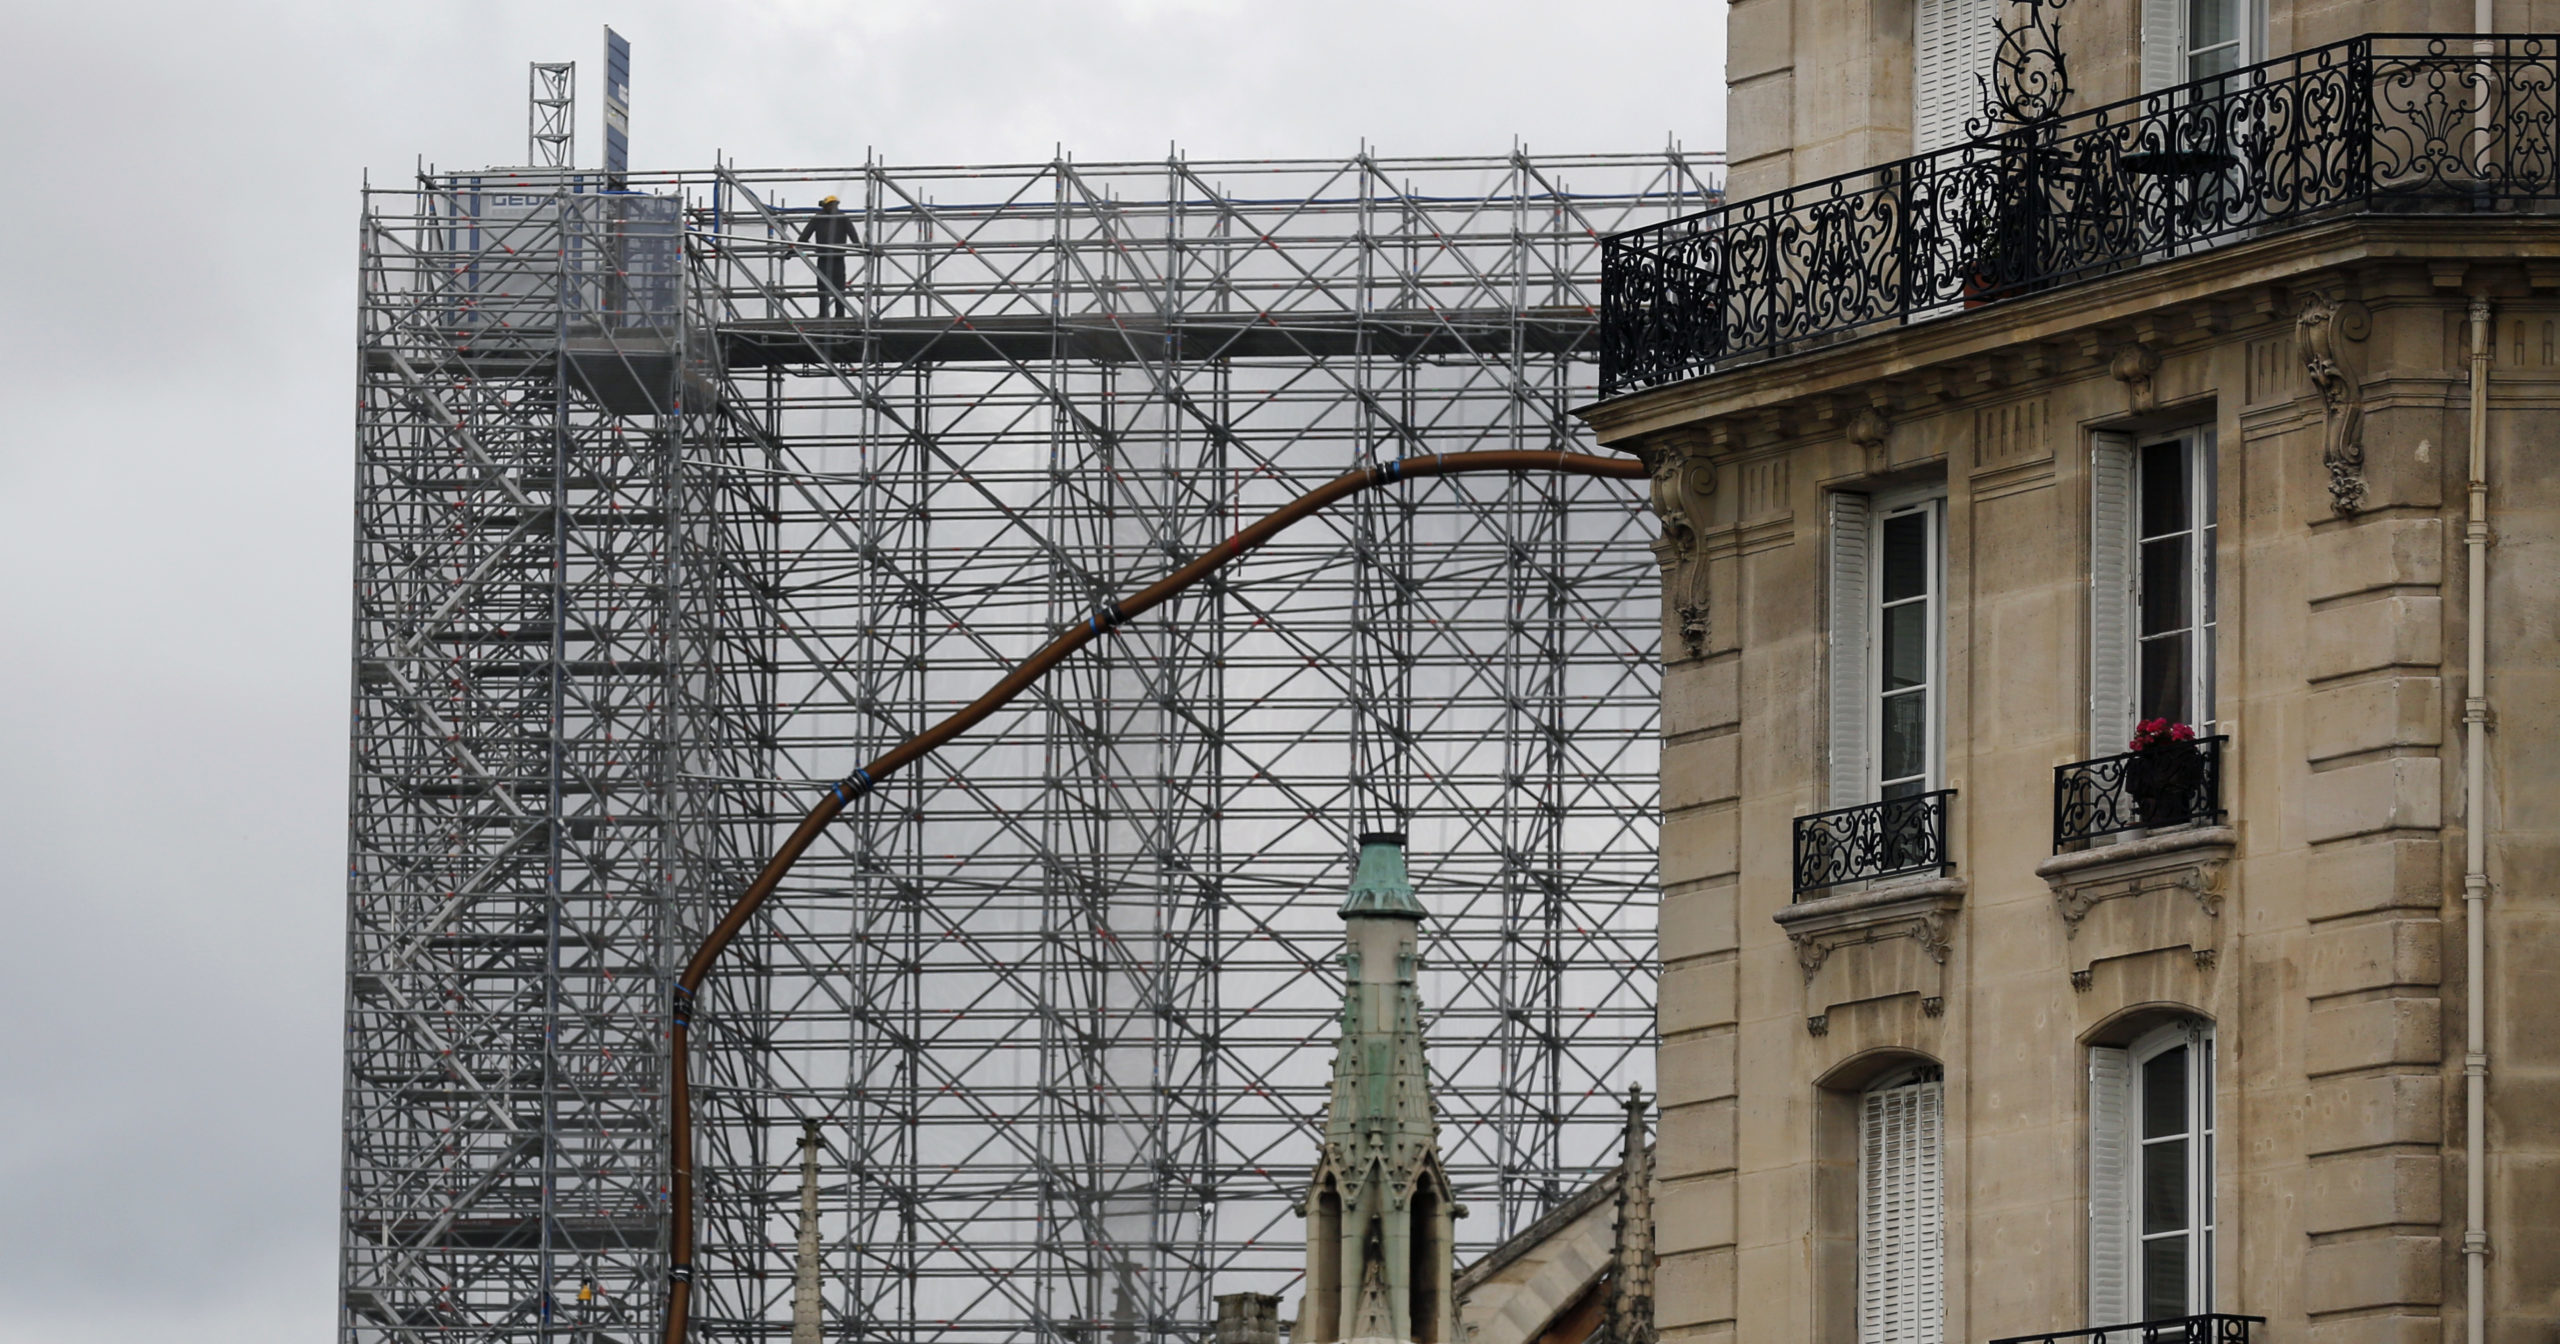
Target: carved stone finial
1630,1306
2320,332
807,1307
2133,366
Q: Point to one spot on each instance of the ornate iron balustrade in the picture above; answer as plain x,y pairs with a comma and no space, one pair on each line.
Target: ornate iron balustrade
2166,786
2213,1328
1885,839
2389,122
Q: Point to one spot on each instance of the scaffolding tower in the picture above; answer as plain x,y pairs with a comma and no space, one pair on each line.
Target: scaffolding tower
654,541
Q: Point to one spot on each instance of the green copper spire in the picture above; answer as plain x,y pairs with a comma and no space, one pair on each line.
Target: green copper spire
1379,885
1379,1231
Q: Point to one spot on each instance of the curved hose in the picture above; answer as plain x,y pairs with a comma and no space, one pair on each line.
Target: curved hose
869,777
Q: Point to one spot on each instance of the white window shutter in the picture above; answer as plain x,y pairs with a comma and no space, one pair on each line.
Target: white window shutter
2110,1188
1851,605
1952,44
2111,633
2164,44
1901,1266
1930,1224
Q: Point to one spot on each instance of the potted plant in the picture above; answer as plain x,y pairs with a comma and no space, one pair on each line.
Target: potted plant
2165,774
1983,237
2003,205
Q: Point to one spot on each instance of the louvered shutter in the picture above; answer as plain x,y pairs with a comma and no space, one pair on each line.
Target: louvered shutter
1850,607
2110,593
2110,1188
1952,44
2164,44
1901,1297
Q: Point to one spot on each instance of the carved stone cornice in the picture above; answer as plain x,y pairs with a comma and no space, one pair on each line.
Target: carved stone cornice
2320,333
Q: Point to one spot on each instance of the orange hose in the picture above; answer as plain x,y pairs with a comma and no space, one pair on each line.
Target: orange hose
698,969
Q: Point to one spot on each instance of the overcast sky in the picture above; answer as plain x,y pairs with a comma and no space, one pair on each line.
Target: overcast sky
176,319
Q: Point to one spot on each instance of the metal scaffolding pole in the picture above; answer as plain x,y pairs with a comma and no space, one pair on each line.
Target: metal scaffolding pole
520,690
1061,997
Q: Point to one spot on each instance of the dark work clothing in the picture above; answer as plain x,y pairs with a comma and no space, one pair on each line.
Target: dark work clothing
832,230
828,226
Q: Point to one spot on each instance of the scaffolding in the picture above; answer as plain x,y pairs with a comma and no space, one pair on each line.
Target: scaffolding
654,541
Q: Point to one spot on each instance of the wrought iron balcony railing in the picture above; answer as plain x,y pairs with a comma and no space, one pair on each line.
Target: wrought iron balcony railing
2214,1328
2392,122
2169,785
1888,839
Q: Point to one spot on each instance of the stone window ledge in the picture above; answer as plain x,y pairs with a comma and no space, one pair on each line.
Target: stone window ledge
2101,892
1895,933
1883,902
2142,854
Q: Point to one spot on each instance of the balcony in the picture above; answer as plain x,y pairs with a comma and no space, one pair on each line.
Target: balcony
2390,123
1892,838
2208,1329
2177,785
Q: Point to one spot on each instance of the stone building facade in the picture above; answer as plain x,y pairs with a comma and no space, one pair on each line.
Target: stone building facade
1968,1031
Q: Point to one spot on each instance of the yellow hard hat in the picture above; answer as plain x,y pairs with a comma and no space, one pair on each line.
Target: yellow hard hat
826,200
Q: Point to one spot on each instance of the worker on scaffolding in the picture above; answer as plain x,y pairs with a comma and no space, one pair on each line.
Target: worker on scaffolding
830,231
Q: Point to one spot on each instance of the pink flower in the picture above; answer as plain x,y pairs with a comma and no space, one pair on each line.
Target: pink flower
2159,733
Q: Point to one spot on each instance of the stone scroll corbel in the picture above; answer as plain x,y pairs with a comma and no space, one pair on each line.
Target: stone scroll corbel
2135,365
2320,332
1870,429
1682,482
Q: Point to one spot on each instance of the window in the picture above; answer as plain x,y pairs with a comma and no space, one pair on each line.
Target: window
2173,581
1886,577
1901,1210
2213,38
2151,1175
2186,40
2153,531
1906,650
1952,45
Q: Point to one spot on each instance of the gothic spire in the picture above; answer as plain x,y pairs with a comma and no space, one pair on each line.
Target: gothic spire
1379,1237
1631,1255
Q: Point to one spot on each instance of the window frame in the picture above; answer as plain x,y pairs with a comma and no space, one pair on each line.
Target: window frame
2167,49
2195,1037
2117,1232
2243,44
2116,534
1930,506
2203,531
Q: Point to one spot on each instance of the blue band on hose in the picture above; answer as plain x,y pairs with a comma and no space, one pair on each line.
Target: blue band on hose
1106,617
